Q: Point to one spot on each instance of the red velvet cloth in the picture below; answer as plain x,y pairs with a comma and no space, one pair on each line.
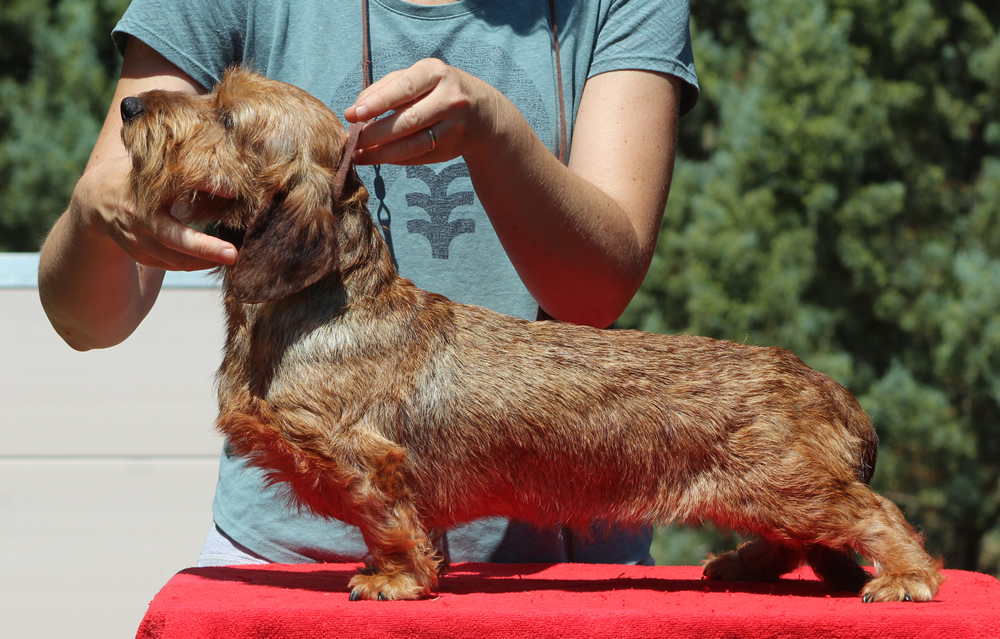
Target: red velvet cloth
572,600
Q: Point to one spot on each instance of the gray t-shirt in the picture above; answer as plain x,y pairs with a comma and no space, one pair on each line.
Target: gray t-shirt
439,234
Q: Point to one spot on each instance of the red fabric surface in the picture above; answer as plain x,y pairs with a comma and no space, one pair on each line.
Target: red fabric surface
573,600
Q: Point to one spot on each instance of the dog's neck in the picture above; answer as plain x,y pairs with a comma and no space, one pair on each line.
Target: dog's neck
363,287
366,268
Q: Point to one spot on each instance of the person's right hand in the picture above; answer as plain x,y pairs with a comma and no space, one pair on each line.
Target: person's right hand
101,266
162,240
433,113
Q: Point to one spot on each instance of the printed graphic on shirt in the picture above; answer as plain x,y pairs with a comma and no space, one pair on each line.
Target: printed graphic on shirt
436,202
439,229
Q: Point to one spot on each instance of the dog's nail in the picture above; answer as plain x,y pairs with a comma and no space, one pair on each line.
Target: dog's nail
382,597
355,595
907,597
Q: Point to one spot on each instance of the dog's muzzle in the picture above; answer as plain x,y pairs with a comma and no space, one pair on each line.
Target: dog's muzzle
131,109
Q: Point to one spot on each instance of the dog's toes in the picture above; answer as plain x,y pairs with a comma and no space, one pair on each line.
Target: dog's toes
375,586
358,594
727,567
885,589
872,598
754,560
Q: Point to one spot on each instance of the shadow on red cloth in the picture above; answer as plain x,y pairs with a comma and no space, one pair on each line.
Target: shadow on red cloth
513,578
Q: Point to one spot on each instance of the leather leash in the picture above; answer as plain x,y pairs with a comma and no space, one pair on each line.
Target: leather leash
559,83
354,130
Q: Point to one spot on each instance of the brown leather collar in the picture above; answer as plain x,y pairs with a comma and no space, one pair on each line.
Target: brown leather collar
347,159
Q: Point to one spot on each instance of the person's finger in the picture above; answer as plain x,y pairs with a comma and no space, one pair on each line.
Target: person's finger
403,122
148,251
158,256
196,244
395,90
185,248
150,261
351,114
426,145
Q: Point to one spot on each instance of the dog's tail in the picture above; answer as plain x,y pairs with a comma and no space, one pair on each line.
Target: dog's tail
855,421
862,426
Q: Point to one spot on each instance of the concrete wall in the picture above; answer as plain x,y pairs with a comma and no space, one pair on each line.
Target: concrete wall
108,459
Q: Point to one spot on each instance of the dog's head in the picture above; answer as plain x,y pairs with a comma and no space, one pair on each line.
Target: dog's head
271,145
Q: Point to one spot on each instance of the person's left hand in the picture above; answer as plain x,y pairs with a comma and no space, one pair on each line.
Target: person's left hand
435,113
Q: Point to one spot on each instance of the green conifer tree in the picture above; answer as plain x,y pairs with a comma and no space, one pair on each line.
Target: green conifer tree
57,73
838,193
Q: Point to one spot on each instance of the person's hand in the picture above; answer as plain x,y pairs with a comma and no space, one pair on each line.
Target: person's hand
435,113
162,241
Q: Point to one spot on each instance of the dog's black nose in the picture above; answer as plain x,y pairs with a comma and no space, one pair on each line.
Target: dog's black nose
131,109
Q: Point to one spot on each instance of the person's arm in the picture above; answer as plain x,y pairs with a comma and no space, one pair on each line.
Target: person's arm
100,267
581,237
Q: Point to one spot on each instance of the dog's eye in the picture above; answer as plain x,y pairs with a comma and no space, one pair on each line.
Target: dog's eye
227,120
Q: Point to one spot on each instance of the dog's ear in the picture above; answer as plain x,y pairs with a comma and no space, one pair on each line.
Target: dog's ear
291,244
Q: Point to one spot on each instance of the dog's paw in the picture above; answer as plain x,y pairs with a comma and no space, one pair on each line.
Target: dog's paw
890,588
376,586
727,567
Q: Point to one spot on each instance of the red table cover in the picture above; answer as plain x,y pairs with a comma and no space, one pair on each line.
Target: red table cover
571,600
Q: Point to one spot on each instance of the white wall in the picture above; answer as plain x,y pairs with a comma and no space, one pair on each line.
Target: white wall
108,459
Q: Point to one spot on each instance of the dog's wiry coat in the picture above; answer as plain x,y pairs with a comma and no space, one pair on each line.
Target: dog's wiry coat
401,412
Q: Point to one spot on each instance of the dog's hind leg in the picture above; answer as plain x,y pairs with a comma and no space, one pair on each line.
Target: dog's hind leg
405,563
903,569
756,560
857,519
765,560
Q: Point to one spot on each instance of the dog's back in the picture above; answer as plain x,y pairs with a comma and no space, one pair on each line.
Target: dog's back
553,423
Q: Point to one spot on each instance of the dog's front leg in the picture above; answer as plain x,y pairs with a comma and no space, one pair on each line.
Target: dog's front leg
405,562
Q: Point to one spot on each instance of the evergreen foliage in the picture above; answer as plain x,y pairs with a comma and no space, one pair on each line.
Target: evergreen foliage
837,193
57,73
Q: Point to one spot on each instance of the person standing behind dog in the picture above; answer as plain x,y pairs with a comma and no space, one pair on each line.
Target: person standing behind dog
460,153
